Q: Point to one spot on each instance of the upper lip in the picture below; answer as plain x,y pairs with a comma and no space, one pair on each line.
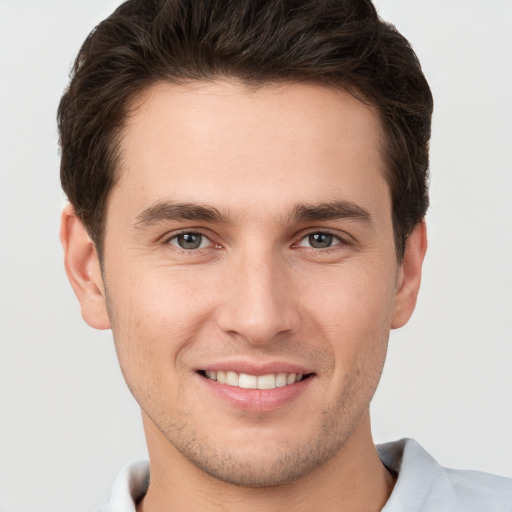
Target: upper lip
256,368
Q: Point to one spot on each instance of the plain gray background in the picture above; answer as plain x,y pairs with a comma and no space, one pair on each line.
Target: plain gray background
67,423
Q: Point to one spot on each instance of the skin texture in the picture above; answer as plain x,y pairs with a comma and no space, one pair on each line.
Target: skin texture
255,292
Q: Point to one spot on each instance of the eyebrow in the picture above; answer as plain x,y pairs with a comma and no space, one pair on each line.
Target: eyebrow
169,210
330,211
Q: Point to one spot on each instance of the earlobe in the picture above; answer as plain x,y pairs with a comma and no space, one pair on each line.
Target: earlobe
409,277
83,269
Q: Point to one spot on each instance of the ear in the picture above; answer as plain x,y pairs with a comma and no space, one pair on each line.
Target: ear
409,276
83,269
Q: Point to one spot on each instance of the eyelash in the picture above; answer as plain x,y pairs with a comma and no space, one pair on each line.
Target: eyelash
341,242
168,239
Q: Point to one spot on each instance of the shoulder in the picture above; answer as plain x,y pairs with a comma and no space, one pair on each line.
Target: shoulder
425,486
476,490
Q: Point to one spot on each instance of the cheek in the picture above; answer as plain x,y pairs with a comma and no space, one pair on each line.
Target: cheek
154,317
164,301
358,338
353,311
358,300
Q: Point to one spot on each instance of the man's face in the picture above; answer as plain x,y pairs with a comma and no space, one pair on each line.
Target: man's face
249,239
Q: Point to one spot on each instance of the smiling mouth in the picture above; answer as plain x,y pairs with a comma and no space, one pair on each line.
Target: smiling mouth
247,381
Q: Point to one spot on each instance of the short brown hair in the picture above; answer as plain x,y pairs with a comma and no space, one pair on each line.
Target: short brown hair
340,43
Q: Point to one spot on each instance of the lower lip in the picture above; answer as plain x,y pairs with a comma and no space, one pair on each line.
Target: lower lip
258,400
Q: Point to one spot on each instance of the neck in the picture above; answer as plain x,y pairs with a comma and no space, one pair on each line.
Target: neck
353,479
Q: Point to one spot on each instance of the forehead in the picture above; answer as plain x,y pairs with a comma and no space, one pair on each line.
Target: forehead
225,144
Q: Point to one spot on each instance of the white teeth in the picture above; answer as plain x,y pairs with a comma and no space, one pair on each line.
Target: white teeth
280,380
232,379
246,381
267,381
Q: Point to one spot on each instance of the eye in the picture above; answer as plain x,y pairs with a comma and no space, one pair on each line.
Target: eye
190,241
319,240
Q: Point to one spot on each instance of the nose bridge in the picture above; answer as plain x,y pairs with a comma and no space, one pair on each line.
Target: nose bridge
259,304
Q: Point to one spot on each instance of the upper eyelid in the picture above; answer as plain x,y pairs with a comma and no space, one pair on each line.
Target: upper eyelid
194,231
170,237
343,236
340,241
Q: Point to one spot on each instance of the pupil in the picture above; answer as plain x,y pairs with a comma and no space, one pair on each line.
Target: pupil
320,240
189,240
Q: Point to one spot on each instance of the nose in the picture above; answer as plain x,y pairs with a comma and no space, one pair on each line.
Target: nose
259,302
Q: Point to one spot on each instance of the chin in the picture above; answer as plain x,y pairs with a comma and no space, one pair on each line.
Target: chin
268,461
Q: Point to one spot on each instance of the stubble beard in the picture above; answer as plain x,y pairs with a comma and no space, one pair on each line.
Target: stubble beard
277,466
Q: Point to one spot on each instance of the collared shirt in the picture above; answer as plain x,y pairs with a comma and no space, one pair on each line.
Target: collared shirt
422,485
425,486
